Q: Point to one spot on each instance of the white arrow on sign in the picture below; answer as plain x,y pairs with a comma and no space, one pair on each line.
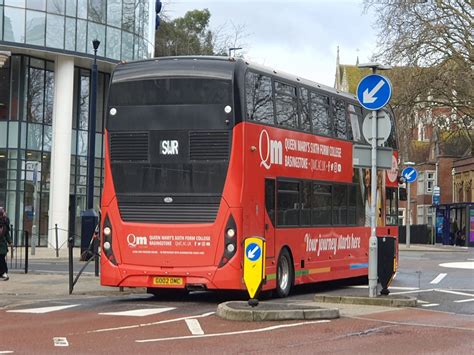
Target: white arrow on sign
251,253
408,175
368,97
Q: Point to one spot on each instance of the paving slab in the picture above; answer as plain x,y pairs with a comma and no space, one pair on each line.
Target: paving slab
272,311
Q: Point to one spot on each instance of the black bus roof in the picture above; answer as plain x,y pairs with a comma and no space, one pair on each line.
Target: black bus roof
207,66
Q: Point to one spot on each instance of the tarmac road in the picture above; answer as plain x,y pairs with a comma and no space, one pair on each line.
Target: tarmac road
102,320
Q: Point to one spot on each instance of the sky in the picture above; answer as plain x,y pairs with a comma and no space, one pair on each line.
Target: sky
299,37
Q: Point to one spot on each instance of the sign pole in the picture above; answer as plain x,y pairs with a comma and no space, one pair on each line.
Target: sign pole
373,206
408,217
373,92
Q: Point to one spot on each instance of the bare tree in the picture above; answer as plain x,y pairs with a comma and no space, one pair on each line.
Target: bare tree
432,40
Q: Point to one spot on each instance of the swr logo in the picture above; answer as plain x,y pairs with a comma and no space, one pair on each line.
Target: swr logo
169,147
271,151
134,240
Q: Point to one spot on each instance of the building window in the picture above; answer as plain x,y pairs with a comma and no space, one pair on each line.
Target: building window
420,215
420,187
430,181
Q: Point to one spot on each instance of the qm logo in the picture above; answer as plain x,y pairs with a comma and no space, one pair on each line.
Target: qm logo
271,151
134,241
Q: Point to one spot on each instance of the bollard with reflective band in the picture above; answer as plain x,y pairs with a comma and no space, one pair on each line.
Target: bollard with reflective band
254,264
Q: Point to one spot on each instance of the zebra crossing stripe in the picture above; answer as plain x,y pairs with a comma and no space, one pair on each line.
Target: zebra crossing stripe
438,278
42,310
194,326
139,312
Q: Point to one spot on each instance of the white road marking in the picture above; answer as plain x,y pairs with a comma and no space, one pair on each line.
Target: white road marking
194,326
430,305
469,265
60,341
438,279
462,301
6,352
453,292
139,312
42,309
148,324
414,291
401,288
233,333
421,301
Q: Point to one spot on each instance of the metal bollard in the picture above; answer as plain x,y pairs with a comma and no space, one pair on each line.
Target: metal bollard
57,240
27,242
70,245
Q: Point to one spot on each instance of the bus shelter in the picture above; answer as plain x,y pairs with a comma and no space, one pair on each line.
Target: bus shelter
455,224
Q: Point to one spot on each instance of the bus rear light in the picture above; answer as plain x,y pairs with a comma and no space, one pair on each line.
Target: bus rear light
107,241
230,241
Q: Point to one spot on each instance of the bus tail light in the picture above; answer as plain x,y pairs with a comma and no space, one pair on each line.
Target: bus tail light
107,241
230,241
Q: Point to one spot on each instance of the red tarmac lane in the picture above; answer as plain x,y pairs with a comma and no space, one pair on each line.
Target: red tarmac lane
406,331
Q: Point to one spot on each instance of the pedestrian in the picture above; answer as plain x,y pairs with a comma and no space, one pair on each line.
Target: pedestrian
5,241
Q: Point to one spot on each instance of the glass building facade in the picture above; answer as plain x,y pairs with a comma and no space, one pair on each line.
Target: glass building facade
125,28
35,36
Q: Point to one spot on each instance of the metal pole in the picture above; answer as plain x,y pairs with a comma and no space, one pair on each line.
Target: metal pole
408,217
70,245
373,206
27,241
92,123
57,240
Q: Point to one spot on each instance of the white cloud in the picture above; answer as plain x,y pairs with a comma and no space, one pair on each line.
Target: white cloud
299,37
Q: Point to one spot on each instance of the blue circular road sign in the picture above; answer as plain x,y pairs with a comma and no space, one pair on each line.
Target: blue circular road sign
253,252
410,174
374,91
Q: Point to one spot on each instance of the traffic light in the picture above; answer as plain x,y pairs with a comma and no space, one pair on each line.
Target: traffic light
158,6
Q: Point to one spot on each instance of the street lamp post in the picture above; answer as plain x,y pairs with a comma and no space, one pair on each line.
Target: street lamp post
92,123
89,218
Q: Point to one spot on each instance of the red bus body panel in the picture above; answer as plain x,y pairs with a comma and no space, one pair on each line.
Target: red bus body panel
193,251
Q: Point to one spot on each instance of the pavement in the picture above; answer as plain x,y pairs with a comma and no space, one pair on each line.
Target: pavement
35,286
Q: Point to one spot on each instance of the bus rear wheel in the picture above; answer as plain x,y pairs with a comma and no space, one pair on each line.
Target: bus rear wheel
285,274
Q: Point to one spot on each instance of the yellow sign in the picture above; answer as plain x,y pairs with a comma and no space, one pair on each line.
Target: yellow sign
254,264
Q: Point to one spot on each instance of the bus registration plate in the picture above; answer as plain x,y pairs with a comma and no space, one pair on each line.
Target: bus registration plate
168,281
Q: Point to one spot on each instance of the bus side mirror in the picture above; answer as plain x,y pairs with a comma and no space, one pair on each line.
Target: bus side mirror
402,194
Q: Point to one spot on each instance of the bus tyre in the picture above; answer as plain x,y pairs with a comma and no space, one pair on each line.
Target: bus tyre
284,274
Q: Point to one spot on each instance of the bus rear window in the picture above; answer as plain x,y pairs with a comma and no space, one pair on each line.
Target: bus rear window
182,91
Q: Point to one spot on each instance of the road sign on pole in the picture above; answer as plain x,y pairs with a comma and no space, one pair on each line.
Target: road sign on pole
374,91
384,127
254,264
410,174
436,196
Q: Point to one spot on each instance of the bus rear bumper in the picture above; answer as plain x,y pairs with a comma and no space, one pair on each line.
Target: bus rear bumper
193,278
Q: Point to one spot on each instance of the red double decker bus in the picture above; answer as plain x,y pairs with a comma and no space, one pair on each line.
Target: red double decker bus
203,152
